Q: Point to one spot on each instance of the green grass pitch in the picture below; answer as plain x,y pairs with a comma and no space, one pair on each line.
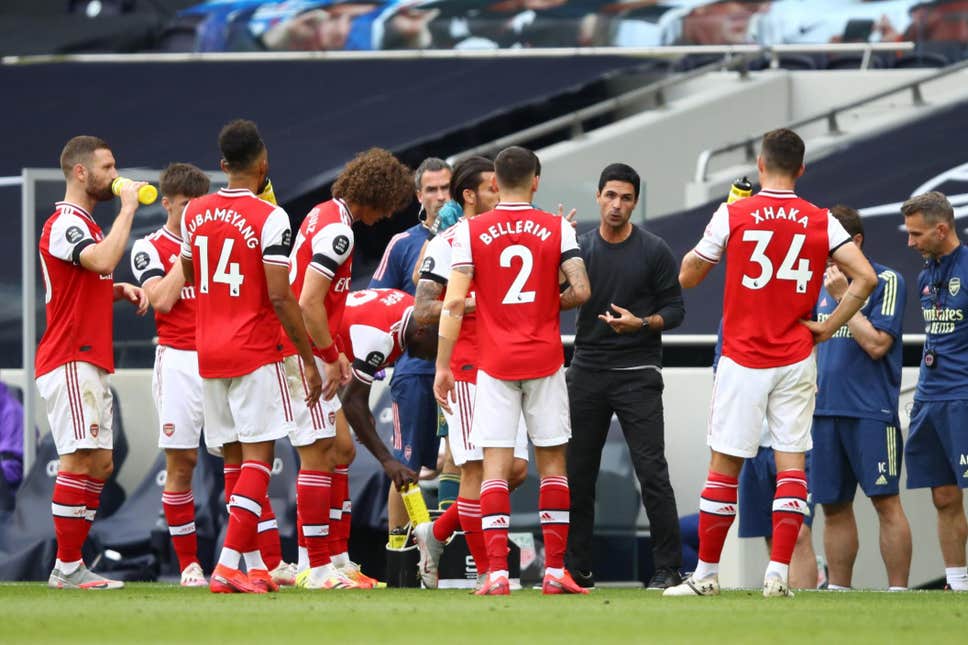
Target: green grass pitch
156,613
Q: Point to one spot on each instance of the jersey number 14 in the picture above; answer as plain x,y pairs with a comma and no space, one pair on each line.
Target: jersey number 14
226,272
801,274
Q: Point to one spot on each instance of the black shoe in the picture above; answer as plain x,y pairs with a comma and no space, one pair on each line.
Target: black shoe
663,579
585,579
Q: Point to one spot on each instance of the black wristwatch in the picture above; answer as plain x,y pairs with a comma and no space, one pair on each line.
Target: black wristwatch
645,322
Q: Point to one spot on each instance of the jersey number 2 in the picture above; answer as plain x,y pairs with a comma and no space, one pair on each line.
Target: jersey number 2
801,274
232,277
515,295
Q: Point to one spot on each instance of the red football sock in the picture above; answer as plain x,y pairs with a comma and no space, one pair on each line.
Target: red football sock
340,511
93,501
313,492
470,523
789,508
245,506
445,525
268,536
554,500
231,479
180,515
495,521
68,507
717,510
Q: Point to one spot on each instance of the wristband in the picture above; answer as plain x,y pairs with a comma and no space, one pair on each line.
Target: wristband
330,354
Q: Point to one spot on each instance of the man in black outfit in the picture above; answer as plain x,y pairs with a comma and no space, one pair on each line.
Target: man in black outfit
617,369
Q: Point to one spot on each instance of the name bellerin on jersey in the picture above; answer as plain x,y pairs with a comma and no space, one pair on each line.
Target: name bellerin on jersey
228,216
512,228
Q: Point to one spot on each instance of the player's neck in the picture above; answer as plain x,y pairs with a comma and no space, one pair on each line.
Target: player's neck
79,197
244,182
173,225
516,196
772,182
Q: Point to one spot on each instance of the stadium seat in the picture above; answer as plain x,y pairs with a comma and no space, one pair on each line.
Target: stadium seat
854,61
918,59
27,543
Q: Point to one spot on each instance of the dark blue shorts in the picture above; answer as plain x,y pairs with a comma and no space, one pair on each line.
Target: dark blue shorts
937,445
849,451
415,440
757,486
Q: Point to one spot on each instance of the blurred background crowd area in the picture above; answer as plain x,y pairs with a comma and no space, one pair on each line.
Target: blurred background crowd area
30,27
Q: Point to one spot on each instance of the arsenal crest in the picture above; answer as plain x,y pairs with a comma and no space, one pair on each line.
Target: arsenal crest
168,429
954,286
95,428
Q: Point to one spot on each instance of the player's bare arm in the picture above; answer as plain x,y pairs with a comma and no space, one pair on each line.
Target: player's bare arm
427,302
312,301
875,342
287,310
693,270
579,288
103,257
451,315
355,398
849,259
415,276
188,269
164,292
134,295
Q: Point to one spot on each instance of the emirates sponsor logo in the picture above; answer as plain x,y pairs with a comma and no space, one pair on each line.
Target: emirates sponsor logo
168,429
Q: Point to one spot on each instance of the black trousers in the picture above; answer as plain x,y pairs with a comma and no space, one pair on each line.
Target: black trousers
635,396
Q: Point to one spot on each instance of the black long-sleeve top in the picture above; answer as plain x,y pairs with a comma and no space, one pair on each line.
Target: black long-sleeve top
639,274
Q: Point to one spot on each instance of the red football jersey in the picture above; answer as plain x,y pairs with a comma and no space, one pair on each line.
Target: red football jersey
152,257
436,266
324,244
373,329
516,251
229,236
80,303
776,247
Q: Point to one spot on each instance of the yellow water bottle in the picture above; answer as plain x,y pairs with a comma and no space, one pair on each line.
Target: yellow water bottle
740,189
416,506
267,194
147,194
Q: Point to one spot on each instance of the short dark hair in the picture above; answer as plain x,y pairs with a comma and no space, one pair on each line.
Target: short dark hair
620,172
240,144
849,219
933,206
515,167
183,179
79,150
782,151
431,164
467,176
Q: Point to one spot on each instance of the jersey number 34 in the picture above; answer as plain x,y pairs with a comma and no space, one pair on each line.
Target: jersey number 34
800,275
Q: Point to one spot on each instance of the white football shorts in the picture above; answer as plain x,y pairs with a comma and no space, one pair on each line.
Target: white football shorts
460,423
177,391
79,407
311,424
743,397
251,408
499,405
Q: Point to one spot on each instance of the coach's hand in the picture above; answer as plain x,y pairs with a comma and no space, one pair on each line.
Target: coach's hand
625,322
314,384
399,474
444,389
